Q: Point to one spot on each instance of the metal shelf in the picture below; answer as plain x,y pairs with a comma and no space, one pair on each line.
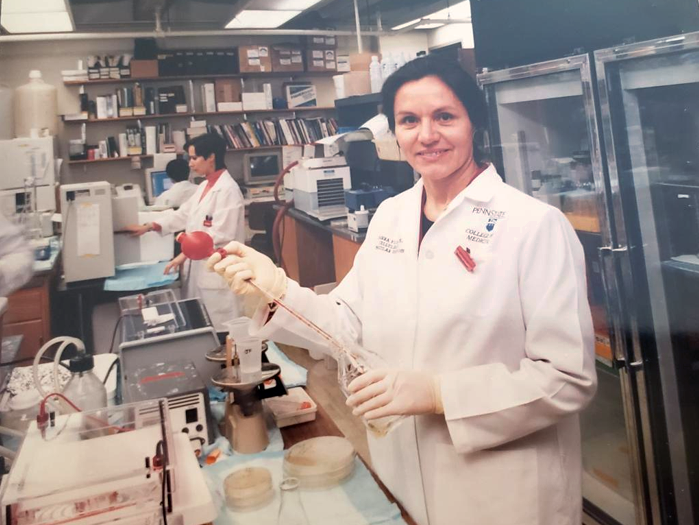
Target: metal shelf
198,114
270,74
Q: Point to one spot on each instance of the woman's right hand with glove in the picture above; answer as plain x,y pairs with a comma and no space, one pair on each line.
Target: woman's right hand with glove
244,264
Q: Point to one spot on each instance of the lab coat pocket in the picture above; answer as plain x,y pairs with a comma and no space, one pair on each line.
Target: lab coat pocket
493,487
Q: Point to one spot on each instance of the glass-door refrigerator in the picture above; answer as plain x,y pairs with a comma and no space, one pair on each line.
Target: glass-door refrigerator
544,141
649,96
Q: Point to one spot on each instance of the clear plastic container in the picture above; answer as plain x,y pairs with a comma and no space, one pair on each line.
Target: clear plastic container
291,511
7,119
86,391
24,407
36,108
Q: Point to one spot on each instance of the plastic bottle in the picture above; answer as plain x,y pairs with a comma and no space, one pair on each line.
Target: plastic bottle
86,391
386,66
393,64
375,75
36,107
7,126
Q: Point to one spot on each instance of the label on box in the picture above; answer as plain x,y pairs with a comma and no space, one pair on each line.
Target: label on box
318,63
262,68
253,53
264,51
329,40
253,61
285,61
181,108
297,59
330,55
285,52
330,64
317,53
318,39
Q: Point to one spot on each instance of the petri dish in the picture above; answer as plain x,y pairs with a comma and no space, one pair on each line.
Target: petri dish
248,489
321,462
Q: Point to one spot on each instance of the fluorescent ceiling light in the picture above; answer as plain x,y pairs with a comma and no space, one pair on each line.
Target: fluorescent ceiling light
283,5
429,26
259,19
401,26
37,22
33,6
458,11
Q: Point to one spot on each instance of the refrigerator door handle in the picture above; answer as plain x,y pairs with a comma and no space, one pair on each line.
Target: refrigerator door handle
607,258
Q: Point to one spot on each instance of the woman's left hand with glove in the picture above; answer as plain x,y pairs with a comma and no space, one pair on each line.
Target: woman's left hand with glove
381,393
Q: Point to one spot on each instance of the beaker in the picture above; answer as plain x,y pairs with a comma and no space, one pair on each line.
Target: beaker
349,368
291,511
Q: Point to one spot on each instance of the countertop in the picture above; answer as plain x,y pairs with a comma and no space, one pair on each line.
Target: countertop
336,226
323,425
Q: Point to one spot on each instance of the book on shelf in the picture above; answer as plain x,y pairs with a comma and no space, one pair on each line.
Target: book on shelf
208,98
134,140
171,99
112,147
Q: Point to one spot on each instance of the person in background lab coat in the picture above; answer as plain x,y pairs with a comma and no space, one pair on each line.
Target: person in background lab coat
16,258
181,190
475,295
217,208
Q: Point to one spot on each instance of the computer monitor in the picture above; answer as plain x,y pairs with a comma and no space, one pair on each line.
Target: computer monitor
157,181
262,168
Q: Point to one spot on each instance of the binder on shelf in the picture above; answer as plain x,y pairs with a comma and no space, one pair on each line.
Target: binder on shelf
151,140
123,145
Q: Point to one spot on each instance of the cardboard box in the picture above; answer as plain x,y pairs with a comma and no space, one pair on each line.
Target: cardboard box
144,68
319,59
254,101
361,61
321,41
287,58
228,89
353,84
300,95
254,59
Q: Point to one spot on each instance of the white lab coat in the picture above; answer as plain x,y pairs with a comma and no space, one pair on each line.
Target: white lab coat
177,195
224,205
512,343
16,258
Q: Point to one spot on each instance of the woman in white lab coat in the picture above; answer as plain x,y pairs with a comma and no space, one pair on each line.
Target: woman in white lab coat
217,208
474,294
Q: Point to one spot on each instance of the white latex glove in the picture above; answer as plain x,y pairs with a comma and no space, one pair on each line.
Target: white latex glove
381,393
245,264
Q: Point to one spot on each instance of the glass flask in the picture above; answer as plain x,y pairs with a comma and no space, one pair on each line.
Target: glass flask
291,511
351,365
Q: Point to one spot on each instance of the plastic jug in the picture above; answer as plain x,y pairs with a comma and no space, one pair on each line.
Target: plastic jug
36,108
7,126
375,75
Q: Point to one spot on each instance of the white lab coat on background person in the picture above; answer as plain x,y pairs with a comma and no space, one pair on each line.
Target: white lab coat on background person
221,213
512,344
177,195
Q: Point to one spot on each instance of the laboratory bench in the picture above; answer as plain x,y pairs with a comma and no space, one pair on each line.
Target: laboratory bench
325,426
316,252
29,308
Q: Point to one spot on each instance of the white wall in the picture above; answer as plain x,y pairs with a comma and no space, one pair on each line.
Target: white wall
16,59
451,34
409,43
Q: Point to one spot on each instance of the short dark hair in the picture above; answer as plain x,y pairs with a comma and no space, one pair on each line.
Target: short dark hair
208,144
177,170
460,82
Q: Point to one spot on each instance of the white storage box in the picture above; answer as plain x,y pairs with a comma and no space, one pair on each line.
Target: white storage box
294,408
149,247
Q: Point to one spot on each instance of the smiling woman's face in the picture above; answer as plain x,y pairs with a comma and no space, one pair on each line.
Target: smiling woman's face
433,130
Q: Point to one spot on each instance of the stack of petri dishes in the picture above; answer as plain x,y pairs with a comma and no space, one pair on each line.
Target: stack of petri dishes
248,489
320,463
